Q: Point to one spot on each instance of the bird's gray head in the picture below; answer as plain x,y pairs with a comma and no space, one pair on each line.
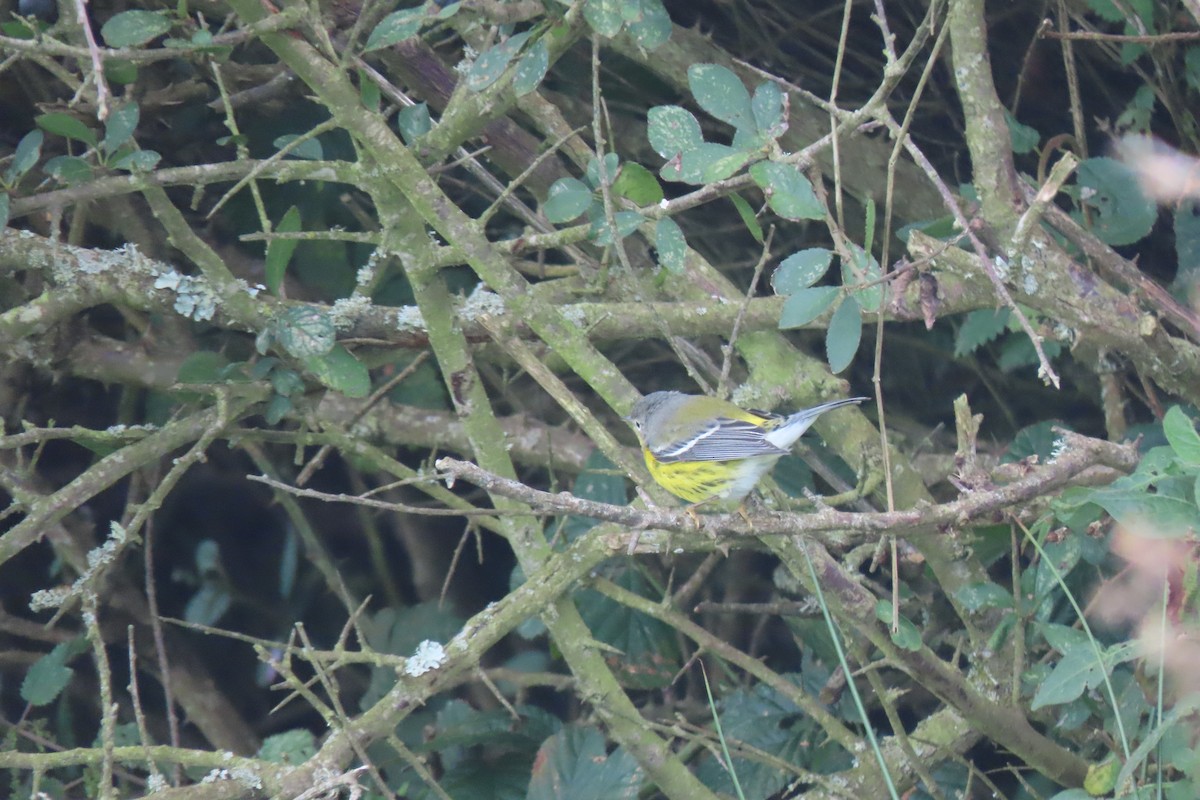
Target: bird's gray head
650,406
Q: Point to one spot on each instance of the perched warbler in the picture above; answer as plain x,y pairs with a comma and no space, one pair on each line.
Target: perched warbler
701,448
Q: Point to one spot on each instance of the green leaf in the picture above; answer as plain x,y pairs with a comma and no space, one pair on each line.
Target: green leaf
978,596
203,366
649,651
67,126
414,122
767,106
638,184
906,635
671,245
1152,515
801,270
120,72
747,214
341,371
721,93
1180,431
137,161
789,192
604,16
118,129
395,28
277,408
805,305
306,331
567,199
1078,671
1124,215
1024,138
532,68
651,27
672,130
612,164
844,334
574,763
133,28
491,64
49,675
978,328
208,604
279,252
292,747
28,151
68,169
602,482
709,161
309,149
1191,67
862,268
3,210
626,221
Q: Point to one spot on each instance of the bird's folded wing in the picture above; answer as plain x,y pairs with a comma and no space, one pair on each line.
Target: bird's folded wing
720,440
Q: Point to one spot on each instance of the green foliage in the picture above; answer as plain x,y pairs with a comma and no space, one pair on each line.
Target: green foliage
1123,215
574,763
134,28
279,254
49,675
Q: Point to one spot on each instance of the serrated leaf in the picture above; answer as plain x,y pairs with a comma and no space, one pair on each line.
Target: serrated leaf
805,305
395,28
709,161
789,192
1181,434
341,371
306,331
279,252
801,270
566,200
309,149
118,129
28,151
574,763
747,214
490,65
980,327
133,28
862,270
66,126
292,747
672,130
1024,138
532,68
604,16
1124,215
49,675
671,245
844,335
721,93
638,184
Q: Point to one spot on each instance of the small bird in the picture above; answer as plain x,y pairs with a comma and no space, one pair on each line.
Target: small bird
700,448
